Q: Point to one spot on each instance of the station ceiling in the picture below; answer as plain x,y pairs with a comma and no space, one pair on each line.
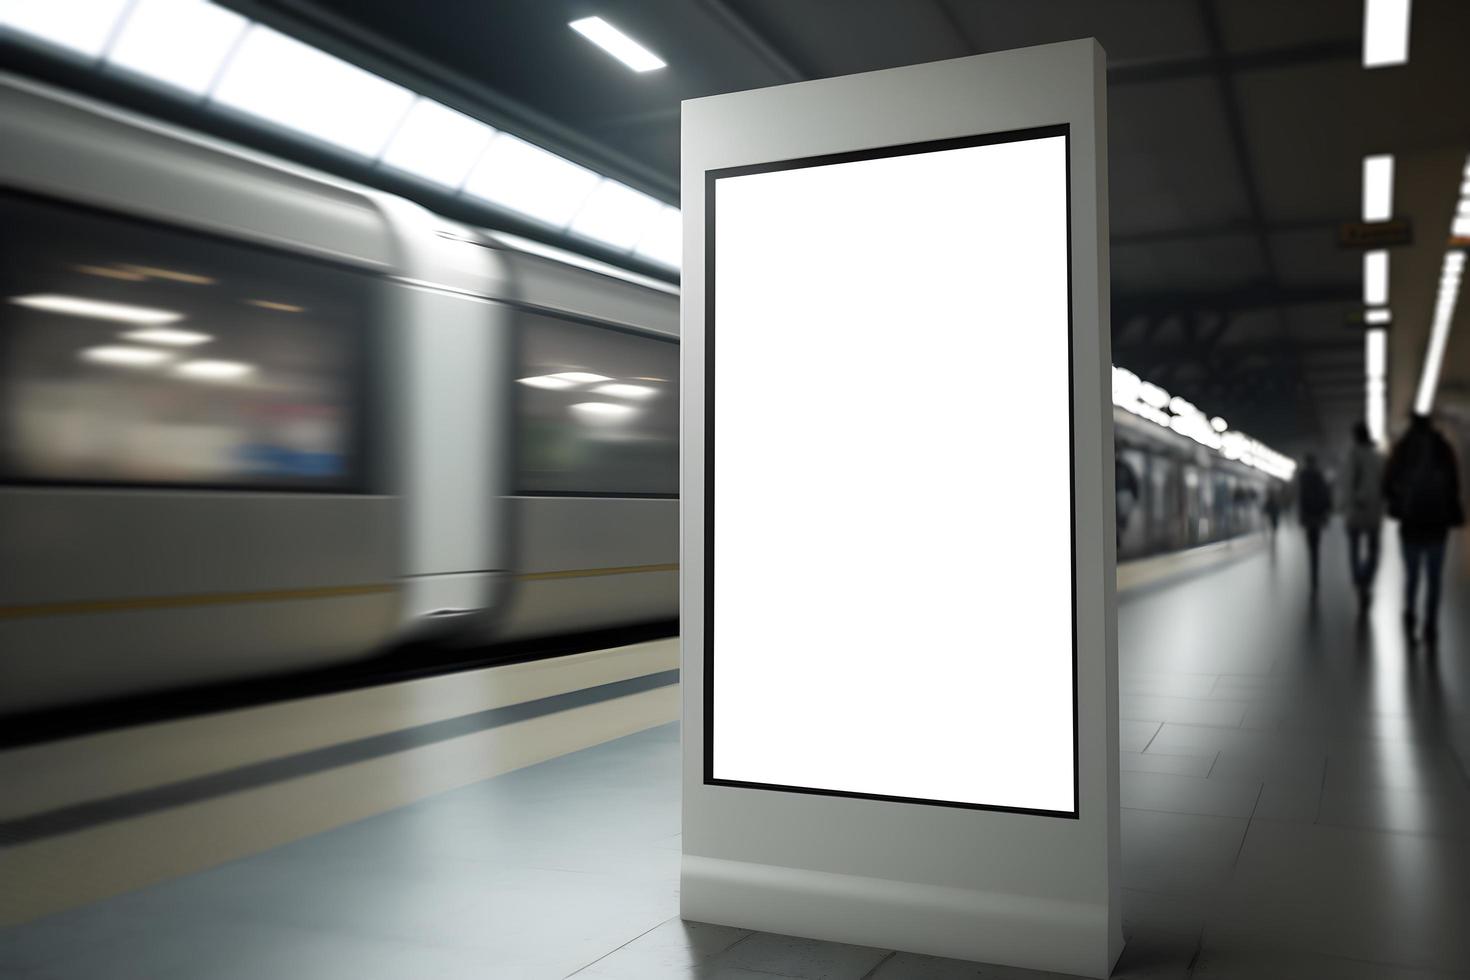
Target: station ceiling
1237,130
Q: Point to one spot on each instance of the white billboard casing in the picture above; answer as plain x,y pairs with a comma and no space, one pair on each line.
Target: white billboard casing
899,665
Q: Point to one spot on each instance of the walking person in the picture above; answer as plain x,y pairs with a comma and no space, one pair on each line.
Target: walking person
1422,487
1272,507
1362,503
1313,506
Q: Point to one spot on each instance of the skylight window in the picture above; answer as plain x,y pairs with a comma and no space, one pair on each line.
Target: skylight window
82,26
617,44
294,85
437,143
1385,33
523,177
663,239
150,42
616,215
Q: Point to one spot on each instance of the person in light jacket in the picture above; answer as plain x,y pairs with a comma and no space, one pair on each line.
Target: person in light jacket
1362,511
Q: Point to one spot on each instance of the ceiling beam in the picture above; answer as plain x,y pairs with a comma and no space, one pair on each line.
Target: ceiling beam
738,25
1292,56
1221,229
1251,296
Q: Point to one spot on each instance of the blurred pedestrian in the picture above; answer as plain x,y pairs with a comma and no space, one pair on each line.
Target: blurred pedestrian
1313,505
1272,507
1125,489
1362,511
1422,486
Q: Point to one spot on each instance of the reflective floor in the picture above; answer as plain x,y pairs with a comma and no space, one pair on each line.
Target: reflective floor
1295,785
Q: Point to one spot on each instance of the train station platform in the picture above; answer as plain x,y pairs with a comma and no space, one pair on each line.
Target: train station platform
1294,782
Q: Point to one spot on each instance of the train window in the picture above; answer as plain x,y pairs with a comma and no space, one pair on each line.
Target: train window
135,354
598,411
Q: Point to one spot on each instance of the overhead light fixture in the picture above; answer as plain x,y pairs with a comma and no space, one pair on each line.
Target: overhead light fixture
1219,424
1385,33
437,143
292,84
215,370
1375,357
108,272
548,382
606,410
1439,331
82,26
1378,316
95,309
168,337
270,304
1375,278
149,42
580,377
626,391
1378,187
172,275
618,44
125,356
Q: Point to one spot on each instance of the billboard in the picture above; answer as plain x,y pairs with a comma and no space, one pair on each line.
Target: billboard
888,462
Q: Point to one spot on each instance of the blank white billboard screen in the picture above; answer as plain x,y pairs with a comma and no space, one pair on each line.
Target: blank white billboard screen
889,580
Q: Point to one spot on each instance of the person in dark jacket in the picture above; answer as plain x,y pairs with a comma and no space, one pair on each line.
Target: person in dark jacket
1313,506
1422,487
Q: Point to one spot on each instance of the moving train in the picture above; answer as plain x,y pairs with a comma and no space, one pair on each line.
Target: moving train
255,419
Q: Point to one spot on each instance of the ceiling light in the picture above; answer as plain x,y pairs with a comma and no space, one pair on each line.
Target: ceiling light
525,178
125,356
1378,316
608,410
150,42
108,272
437,143
1375,352
615,215
618,44
1219,424
173,275
95,309
294,85
168,337
1378,187
82,26
1385,33
580,377
626,391
1375,278
547,381
1444,312
268,304
215,370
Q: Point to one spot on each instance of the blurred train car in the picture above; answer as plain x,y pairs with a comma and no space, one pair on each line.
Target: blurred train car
255,419
1174,493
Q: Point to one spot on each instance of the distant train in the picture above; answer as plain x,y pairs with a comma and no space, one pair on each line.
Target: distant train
255,419
1174,493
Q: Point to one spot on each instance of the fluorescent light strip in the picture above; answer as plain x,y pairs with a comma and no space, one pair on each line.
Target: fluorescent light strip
1385,33
168,336
1444,313
1378,317
1378,187
95,309
1375,278
125,356
617,44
